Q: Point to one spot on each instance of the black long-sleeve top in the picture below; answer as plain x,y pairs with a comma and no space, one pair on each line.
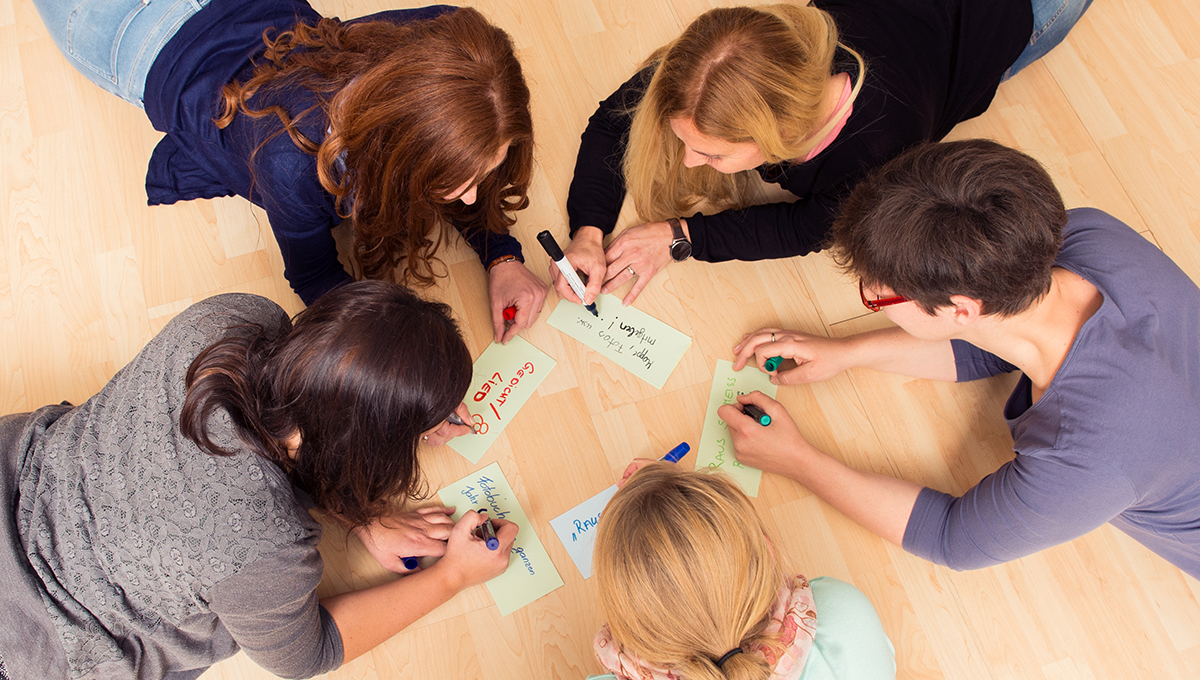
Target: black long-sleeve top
930,65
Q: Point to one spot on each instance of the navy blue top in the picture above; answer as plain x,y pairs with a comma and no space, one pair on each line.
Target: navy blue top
930,65
220,43
1112,439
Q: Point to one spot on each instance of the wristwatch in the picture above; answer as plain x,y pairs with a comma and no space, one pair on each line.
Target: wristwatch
681,248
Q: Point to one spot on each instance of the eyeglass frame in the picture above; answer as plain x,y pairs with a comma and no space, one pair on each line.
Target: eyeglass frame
877,305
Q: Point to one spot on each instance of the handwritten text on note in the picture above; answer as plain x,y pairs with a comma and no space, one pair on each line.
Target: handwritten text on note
636,341
530,572
504,379
716,451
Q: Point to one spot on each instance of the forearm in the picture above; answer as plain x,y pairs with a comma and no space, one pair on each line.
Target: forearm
877,502
893,350
366,618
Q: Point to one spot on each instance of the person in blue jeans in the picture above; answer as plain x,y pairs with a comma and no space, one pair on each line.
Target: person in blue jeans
400,122
968,249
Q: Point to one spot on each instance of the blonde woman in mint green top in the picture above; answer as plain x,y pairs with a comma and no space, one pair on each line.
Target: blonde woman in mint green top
692,590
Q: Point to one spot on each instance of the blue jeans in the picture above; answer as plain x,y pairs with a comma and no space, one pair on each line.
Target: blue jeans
114,42
1052,21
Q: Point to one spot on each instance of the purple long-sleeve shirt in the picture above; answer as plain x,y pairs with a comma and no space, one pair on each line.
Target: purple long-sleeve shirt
1113,438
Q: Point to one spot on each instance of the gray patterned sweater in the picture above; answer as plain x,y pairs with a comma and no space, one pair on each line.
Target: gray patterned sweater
130,553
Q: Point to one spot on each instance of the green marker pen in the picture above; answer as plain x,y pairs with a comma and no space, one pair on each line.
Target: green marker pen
760,416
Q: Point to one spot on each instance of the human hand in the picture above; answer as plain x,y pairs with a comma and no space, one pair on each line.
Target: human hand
446,430
407,534
511,284
585,253
467,561
637,464
817,358
778,447
639,252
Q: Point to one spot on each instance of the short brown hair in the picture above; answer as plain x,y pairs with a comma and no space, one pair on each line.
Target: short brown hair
971,218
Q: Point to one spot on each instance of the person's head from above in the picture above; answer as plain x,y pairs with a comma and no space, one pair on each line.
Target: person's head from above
362,375
685,573
429,119
970,219
742,86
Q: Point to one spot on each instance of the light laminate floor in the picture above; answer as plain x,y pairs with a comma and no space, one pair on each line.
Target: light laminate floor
88,274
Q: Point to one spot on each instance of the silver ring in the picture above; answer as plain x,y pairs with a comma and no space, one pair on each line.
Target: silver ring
631,272
772,337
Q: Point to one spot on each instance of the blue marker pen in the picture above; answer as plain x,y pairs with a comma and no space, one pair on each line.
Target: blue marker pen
410,563
676,453
487,532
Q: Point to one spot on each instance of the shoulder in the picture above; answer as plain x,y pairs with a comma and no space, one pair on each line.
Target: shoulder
850,641
215,316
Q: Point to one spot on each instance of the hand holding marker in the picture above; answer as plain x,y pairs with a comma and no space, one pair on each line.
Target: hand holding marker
487,532
547,240
760,416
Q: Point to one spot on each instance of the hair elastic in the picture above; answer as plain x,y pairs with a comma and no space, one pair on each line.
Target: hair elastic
735,650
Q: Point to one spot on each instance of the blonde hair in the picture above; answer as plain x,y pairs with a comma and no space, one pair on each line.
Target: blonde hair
685,574
740,74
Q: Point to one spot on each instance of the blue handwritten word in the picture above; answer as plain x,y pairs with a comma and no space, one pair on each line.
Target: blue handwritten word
488,492
520,552
469,492
584,526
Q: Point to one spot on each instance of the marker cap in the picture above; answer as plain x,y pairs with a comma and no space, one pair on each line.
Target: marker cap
547,240
772,363
676,453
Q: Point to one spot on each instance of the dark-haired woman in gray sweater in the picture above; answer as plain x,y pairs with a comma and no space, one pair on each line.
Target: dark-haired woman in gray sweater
162,525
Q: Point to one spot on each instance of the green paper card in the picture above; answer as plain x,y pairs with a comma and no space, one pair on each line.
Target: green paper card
530,572
505,377
716,450
636,341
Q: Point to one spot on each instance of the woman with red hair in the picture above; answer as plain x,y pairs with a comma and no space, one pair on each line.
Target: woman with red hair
400,122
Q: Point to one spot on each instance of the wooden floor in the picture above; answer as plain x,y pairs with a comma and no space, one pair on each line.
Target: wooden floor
88,274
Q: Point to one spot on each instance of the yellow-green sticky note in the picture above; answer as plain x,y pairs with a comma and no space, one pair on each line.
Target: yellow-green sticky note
634,340
530,572
716,451
505,376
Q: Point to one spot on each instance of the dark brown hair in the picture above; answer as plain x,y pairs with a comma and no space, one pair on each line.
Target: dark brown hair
971,218
361,374
415,111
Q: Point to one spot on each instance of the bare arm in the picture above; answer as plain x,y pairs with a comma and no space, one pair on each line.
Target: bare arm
879,503
366,618
818,358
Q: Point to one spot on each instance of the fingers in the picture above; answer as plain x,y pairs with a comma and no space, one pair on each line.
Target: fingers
634,466
763,344
506,532
636,290
497,322
561,286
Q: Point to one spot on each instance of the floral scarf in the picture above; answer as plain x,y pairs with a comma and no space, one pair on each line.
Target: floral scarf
794,617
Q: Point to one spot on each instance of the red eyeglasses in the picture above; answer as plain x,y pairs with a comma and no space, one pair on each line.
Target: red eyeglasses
876,305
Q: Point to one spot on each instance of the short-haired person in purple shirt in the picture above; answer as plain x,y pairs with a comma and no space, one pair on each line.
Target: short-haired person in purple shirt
967,248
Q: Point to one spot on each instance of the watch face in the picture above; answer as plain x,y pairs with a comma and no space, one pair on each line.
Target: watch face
681,250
